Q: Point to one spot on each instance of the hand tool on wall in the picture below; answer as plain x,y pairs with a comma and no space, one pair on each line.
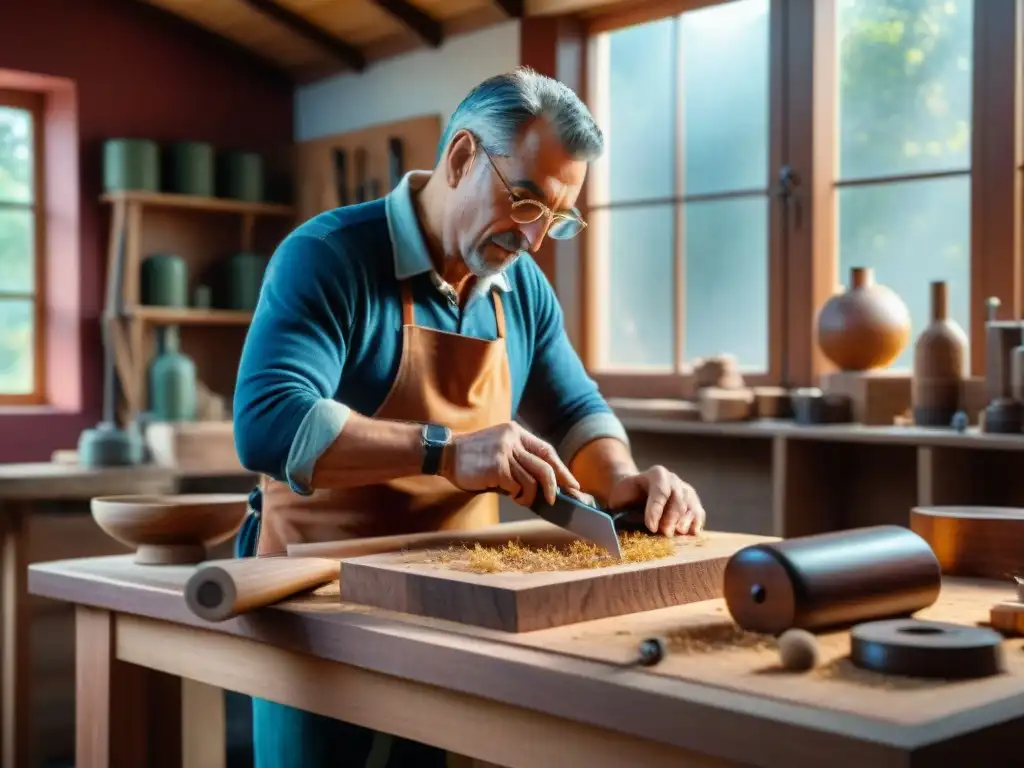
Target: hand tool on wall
222,589
341,176
362,188
396,161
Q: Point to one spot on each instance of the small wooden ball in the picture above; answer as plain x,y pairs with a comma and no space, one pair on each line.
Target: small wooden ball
799,650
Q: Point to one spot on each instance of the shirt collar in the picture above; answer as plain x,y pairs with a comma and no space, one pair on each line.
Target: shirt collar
411,255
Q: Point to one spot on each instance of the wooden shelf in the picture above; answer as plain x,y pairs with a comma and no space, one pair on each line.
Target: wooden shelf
210,204
650,421
189,316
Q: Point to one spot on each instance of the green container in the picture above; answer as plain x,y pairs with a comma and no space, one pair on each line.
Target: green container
165,281
243,279
191,169
131,164
172,380
241,176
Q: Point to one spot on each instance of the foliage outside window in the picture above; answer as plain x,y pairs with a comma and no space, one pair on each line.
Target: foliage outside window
681,246
19,209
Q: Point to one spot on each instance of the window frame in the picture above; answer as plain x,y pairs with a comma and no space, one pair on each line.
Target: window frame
34,104
803,252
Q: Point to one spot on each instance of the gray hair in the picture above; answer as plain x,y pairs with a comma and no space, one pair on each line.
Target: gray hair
498,109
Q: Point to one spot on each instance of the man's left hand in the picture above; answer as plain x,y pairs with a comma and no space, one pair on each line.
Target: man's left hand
672,506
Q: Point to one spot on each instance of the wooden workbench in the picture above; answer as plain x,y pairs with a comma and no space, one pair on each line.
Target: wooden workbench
558,697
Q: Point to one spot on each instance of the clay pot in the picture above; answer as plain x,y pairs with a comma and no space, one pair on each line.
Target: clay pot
940,365
865,327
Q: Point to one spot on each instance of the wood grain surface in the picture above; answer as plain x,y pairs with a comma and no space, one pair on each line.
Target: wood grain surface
981,542
523,602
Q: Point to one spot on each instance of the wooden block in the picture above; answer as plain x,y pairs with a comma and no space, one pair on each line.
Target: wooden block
772,403
673,410
196,447
717,404
522,602
973,398
877,396
973,542
1008,617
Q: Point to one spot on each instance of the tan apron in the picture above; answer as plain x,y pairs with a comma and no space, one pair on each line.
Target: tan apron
443,378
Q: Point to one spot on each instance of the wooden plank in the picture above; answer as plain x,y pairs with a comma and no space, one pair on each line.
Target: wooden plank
522,602
197,202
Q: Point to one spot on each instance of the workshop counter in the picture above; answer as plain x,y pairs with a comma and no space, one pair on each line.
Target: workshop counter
556,697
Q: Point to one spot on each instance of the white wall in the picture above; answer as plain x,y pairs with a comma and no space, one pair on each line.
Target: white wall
424,82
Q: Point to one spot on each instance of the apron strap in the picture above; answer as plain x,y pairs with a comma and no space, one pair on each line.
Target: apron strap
408,308
499,313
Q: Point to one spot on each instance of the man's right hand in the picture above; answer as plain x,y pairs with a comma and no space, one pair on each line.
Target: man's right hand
509,458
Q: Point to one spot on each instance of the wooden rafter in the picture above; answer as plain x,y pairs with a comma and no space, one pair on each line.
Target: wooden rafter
426,27
346,52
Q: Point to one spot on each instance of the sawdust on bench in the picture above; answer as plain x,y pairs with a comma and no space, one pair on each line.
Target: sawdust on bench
521,558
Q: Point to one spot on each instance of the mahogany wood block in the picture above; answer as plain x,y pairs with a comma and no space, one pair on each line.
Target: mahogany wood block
877,397
980,542
523,602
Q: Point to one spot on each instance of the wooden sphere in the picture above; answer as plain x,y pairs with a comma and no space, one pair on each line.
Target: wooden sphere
865,327
799,650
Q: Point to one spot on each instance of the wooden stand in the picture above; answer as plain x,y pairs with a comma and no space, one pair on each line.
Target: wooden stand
877,396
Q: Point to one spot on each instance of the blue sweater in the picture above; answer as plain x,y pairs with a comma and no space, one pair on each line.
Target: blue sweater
326,338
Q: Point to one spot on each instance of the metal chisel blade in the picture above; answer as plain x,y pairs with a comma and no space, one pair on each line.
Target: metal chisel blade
585,521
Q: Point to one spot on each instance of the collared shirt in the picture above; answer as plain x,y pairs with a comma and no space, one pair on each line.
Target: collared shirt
326,338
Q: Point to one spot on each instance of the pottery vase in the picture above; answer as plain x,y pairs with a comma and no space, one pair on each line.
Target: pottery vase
864,327
172,380
940,365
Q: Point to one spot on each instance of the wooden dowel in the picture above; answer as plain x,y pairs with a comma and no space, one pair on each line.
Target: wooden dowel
222,589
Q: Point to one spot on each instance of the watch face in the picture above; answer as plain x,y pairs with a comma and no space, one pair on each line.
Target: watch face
435,433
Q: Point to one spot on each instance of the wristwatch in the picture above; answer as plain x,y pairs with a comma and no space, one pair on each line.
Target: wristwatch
435,437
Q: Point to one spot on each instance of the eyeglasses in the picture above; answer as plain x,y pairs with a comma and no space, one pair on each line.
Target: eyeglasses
561,225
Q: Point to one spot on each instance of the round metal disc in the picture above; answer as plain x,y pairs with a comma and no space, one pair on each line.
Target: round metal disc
926,649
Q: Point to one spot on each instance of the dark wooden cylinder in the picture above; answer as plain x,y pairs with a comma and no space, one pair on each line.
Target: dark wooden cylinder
831,579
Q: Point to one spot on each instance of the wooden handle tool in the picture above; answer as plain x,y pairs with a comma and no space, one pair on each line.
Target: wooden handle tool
533,532
222,589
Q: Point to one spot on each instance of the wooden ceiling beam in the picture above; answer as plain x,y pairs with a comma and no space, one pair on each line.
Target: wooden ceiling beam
345,52
512,8
426,27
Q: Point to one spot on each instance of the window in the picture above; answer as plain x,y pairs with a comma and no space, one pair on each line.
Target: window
903,175
758,150
20,246
679,205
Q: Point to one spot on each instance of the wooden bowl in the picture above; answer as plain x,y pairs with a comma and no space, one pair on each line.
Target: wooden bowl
170,530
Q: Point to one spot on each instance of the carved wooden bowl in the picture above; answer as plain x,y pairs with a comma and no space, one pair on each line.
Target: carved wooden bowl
170,530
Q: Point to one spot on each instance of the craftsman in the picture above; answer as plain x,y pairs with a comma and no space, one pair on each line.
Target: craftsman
393,345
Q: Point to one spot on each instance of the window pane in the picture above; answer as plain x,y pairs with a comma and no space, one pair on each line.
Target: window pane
640,300
17,251
15,155
905,86
911,233
727,280
17,370
641,131
725,96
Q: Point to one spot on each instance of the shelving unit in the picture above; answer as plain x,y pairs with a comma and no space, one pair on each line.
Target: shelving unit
780,478
202,231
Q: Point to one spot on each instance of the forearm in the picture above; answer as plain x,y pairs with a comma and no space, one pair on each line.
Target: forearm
369,451
599,464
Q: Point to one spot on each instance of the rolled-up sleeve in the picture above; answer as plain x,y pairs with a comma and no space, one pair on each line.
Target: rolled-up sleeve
561,402
284,412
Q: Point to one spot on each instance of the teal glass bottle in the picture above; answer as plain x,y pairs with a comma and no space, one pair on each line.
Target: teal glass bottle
172,379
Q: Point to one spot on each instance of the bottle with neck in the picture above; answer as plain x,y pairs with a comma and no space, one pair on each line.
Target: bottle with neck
940,364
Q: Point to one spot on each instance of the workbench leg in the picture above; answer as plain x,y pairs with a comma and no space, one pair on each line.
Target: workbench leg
15,668
125,715
203,726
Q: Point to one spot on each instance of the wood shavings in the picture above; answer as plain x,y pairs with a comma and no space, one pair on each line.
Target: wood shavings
844,670
520,558
718,637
